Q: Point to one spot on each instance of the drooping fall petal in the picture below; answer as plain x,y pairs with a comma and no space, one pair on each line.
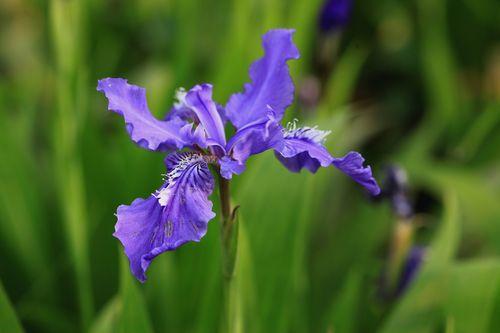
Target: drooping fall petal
144,129
177,213
303,148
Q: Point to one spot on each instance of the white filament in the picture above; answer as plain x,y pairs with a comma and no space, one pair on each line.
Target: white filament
186,159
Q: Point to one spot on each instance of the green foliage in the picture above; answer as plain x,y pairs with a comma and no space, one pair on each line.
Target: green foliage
8,318
413,83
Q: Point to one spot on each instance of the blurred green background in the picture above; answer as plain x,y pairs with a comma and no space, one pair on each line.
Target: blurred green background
413,83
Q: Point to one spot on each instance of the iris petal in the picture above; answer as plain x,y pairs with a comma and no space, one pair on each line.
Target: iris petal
176,214
199,100
228,167
303,148
252,139
144,129
271,82
352,165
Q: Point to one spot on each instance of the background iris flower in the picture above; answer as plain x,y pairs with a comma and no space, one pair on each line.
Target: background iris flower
334,15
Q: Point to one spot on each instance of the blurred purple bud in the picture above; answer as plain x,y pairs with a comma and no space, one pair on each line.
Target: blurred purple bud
396,189
414,261
334,15
396,180
401,205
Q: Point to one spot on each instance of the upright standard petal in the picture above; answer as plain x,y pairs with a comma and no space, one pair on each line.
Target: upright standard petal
199,99
271,82
144,129
177,213
256,138
182,111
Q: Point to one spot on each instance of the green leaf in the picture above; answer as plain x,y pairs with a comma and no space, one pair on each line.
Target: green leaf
272,224
67,23
107,320
21,229
126,312
476,191
474,287
438,65
445,244
240,289
343,311
340,86
479,130
134,316
9,322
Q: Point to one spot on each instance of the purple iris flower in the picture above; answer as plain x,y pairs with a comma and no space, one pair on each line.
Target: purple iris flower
334,14
178,212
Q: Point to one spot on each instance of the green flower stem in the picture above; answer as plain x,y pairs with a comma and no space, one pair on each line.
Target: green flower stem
229,247
225,199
